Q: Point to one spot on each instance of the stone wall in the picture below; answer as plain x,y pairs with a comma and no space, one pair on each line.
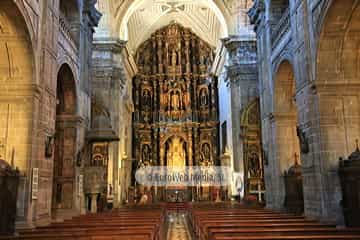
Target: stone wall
308,34
34,45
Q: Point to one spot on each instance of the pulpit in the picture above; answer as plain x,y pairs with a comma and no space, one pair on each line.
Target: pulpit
294,199
96,166
349,173
9,181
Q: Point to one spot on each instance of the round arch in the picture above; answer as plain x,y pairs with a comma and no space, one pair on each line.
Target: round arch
17,72
172,143
64,63
65,141
123,20
337,84
66,86
286,148
180,135
284,87
337,76
338,45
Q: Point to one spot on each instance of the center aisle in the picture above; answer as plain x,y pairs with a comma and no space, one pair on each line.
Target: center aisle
178,228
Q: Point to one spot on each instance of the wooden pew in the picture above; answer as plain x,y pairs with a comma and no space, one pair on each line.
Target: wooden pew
239,222
127,223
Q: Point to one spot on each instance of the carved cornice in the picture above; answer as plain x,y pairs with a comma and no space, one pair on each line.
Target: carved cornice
242,72
70,120
242,64
282,116
114,45
232,42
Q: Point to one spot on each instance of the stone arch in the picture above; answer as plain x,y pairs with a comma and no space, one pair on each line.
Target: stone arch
338,77
285,57
17,78
29,23
65,143
285,112
66,88
66,64
337,91
284,127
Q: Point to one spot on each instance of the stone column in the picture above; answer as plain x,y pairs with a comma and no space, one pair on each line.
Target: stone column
242,79
108,83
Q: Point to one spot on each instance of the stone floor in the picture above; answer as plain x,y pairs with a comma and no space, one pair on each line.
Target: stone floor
178,228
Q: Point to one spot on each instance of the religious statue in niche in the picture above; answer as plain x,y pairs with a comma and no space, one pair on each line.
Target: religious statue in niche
173,58
304,144
176,153
146,99
175,101
186,97
254,164
203,97
146,154
49,146
205,155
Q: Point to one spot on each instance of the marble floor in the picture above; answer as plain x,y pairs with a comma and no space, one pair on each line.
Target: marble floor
177,227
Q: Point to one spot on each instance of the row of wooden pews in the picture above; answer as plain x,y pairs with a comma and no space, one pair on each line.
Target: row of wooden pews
235,221
132,223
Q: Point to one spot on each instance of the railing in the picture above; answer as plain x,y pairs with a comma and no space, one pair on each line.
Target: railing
65,28
282,27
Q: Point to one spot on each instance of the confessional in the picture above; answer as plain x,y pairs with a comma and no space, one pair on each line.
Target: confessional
9,181
349,173
294,198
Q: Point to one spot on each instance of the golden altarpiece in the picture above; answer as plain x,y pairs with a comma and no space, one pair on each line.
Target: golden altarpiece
176,103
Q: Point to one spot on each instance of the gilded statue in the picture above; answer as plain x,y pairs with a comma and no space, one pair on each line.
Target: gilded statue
176,156
203,97
205,153
186,97
175,101
173,58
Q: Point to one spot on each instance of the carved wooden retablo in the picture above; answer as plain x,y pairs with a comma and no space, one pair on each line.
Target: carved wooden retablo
176,100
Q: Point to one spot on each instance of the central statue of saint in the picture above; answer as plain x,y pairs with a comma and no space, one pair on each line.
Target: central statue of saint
176,153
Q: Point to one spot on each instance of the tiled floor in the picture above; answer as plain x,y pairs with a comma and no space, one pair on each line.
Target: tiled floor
178,229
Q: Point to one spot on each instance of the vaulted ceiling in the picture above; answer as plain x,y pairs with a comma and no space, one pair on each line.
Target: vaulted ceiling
135,20
150,15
